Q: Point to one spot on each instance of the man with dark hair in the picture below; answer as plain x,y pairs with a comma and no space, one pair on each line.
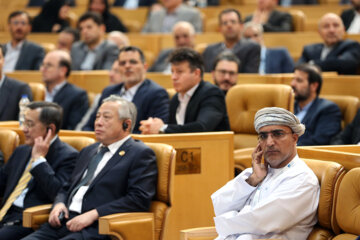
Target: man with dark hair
55,70
225,71
93,52
150,99
247,51
66,38
35,171
198,106
321,117
335,54
21,54
115,175
351,133
11,91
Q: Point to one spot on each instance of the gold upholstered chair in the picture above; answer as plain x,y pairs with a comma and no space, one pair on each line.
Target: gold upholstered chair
9,140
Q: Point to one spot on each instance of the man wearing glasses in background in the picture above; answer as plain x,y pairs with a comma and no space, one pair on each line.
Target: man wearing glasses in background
280,195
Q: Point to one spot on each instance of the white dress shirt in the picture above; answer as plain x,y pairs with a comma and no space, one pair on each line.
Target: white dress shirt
129,93
49,96
183,102
76,202
354,27
282,206
12,56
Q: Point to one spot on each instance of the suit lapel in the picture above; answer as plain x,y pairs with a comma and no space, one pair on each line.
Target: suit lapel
4,93
191,104
310,110
23,55
99,55
138,97
59,97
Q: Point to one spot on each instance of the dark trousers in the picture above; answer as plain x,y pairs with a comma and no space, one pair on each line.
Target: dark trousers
11,226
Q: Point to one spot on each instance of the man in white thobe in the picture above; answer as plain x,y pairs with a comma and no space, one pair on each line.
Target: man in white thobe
277,198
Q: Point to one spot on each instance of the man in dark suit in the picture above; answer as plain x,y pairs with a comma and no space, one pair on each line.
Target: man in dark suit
287,3
271,19
350,18
272,60
150,99
198,106
335,54
44,159
322,118
93,52
21,54
247,51
184,36
11,91
140,3
351,133
123,179
225,73
74,101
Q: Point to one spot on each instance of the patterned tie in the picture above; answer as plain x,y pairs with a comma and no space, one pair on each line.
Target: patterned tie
90,172
23,182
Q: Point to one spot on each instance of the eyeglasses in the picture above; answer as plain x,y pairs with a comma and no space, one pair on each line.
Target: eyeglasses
275,134
47,65
23,23
224,72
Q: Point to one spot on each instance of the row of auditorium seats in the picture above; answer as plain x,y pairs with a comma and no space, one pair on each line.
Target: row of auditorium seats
305,16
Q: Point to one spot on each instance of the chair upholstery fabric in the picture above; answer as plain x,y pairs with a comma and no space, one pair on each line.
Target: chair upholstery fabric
9,140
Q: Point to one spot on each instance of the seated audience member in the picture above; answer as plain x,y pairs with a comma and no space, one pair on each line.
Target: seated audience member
39,3
335,54
36,170
351,18
184,36
21,54
321,117
66,39
280,195
203,3
112,22
150,99
271,19
272,60
351,133
115,175
197,106
55,70
11,91
225,72
247,51
131,4
1,159
287,3
93,52
119,39
114,78
53,17
173,11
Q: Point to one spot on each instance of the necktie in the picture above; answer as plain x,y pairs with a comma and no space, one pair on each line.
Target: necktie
23,182
90,172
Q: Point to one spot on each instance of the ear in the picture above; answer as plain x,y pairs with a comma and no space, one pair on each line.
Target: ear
129,123
295,137
52,127
198,72
314,86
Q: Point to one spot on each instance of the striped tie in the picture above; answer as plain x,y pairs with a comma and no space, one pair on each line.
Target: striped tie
23,182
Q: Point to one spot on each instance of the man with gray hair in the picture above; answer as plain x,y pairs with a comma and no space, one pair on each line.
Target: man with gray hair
283,188
117,174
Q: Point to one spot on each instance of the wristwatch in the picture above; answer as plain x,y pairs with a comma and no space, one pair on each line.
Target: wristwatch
163,128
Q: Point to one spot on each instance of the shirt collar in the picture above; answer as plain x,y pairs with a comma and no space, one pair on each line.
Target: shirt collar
116,145
17,47
56,88
2,80
306,108
188,94
131,90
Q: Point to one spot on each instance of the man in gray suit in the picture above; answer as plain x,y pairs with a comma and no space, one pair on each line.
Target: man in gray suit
21,54
93,52
184,36
247,51
163,20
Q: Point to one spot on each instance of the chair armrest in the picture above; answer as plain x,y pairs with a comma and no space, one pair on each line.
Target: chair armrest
35,216
134,226
203,233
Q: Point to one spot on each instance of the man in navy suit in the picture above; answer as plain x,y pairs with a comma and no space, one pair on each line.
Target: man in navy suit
74,101
123,180
322,118
198,106
350,18
150,99
351,133
11,91
51,162
272,60
335,54
21,54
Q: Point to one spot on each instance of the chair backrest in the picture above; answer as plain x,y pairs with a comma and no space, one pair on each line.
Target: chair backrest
9,140
38,91
298,20
165,155
329,175
348,203
244,100
77,142
348,105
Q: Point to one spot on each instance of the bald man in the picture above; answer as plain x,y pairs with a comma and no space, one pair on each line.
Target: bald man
335,54
184,36
55,69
